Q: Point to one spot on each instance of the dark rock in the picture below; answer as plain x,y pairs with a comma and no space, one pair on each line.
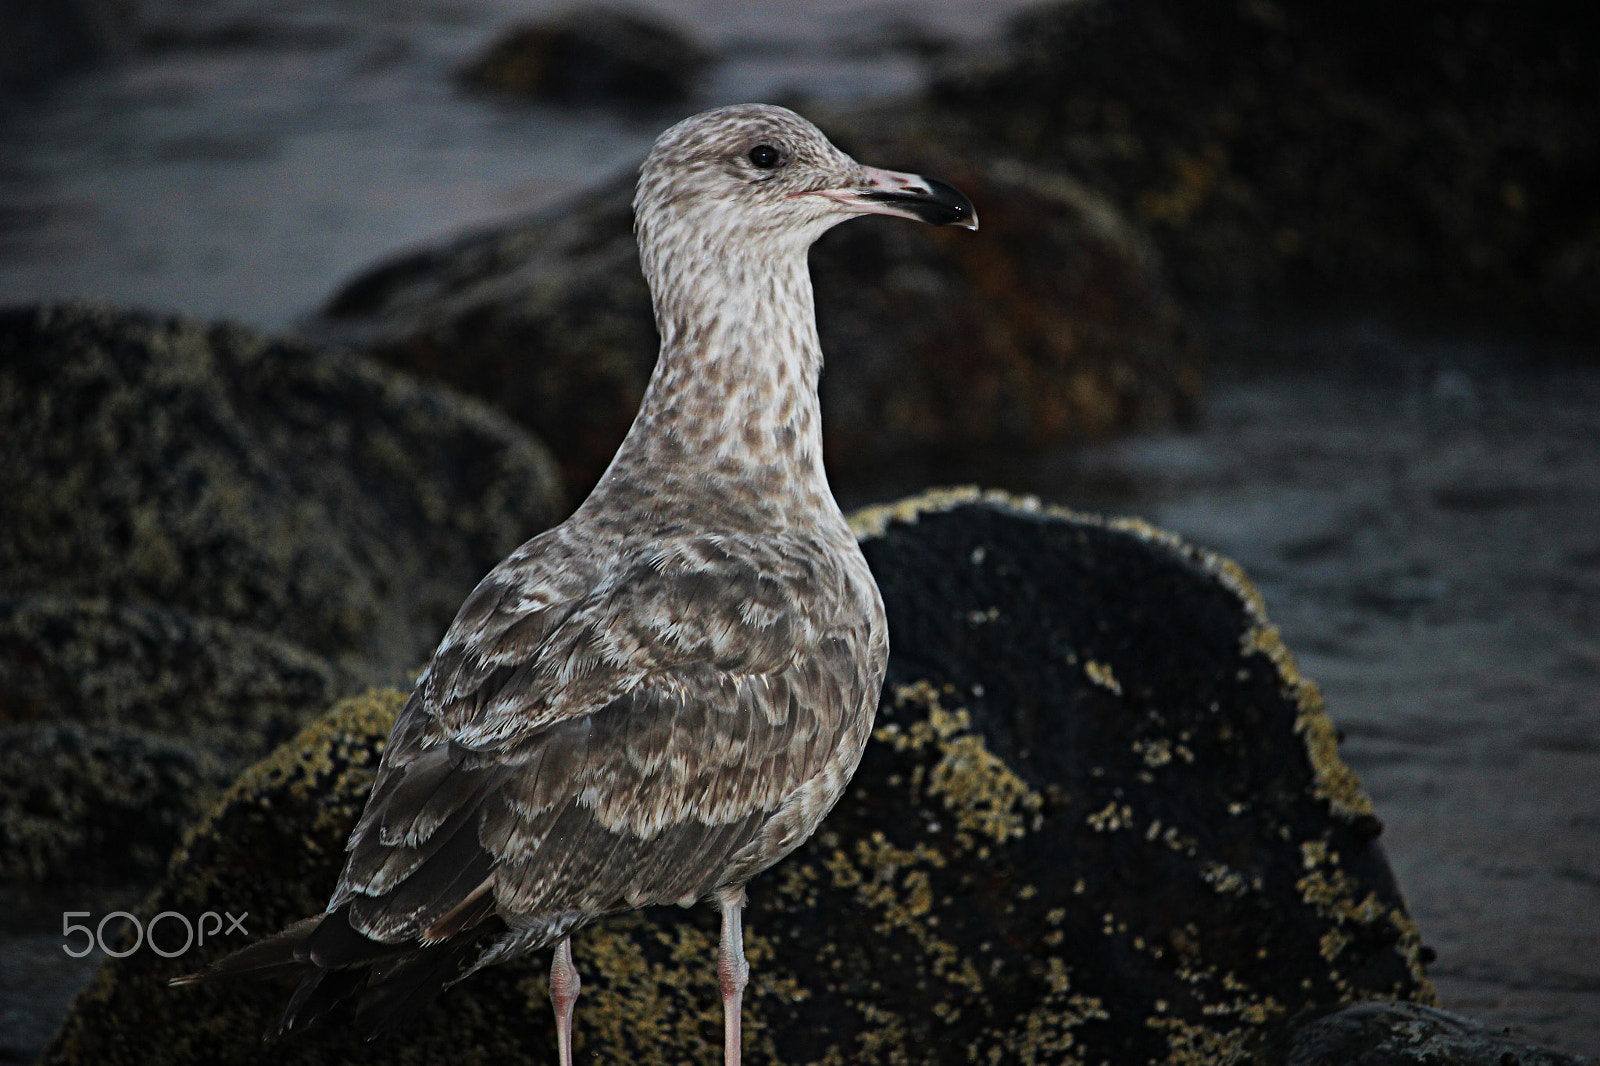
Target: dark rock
100,806
548,319
1434,149
592,55
1387,1033
1103,819
42,38
157,670
208,537
119,723
295,491
1049,324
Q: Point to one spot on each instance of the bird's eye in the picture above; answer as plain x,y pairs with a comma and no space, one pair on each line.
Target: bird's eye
765,156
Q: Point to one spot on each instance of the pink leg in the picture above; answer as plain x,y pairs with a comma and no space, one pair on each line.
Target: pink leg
732,969
564,986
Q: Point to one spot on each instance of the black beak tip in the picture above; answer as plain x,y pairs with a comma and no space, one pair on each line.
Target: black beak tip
942,205
949,206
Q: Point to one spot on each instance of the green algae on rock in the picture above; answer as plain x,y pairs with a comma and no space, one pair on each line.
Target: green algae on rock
120,723
158,670
1445,151
97,806
305,492
208,536
1147,860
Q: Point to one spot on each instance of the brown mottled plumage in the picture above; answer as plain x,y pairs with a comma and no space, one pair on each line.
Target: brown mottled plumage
662,696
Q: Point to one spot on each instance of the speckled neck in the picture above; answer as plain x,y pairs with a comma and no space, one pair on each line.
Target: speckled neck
729,431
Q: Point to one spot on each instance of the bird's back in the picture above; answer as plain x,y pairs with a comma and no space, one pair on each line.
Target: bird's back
610,723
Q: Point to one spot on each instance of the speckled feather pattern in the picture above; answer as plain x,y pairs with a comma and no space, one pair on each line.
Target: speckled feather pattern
665,694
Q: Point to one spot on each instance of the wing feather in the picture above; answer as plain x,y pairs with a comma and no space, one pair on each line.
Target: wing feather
590,740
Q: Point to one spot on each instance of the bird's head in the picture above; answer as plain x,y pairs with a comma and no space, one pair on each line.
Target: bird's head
755,172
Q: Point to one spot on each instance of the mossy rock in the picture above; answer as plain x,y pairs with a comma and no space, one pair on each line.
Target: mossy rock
1437,151
594,55
1103,819
120,724
209,536
94,806
304,492
158,670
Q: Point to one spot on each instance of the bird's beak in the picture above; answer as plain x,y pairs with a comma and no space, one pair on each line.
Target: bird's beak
922,199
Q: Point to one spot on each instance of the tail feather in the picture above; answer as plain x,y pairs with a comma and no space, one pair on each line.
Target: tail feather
320,991
336,964
414,983
275,955
335,944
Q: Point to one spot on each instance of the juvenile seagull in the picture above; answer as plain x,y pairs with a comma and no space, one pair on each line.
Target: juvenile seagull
662,696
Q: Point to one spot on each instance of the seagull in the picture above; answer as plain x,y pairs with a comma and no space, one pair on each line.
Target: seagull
663,696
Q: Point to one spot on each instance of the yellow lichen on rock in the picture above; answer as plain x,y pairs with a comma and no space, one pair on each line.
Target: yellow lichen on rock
1338,897
1111,817
882,1040
1335,781
895,882
1155,753
333,756
659,1011
1189,1044
1100,674
874,521
1045,1034
985,796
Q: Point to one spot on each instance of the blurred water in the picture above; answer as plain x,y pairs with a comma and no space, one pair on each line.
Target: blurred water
250,155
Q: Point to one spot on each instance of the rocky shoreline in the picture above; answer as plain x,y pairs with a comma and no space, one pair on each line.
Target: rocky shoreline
1104,815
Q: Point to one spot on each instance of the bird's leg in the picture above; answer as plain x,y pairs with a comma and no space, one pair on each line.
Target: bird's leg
732,970
564,986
